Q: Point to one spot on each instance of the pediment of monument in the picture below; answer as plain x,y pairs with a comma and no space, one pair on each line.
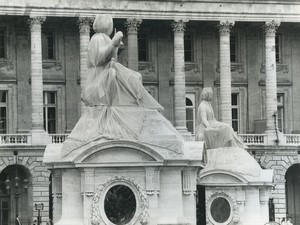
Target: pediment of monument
215,177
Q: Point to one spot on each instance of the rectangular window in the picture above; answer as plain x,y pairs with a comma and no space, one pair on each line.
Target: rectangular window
235,111
50,111
143,47
233,48
3,112
280,112
2,43
48,45
278,46
190,112
188,48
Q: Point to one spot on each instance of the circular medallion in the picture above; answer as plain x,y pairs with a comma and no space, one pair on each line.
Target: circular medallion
120,204
220,210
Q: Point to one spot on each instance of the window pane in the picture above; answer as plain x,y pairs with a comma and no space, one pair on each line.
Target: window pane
234,100
143,47
48,45
233,48
234,113
51,120
3,120
188,48
235,126
188,102
3,95
190,126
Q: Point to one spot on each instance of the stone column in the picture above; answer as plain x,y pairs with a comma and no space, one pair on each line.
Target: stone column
132,31
179,76
271,84
39,136
84,31
225,73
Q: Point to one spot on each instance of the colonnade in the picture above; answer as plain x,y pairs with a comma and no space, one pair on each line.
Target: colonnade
178,27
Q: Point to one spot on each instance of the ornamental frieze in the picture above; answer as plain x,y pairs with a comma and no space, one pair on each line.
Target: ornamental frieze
271,27
35,22
133,24
225,27
179,25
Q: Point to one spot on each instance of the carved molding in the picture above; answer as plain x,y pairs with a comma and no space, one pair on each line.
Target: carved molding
152,182
50,64
271,27
186,183
147,66
189,66
234,67
35,23
7,63
84,24
279,67
132,25
57,184
233,204
89,182
225,27
178,25
96,216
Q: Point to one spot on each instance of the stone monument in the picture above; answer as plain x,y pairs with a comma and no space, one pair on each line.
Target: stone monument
236,188
123,163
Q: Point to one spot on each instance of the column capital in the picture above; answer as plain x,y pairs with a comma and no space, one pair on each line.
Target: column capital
35,22
270,27
225,27
179,25
133,24
84,24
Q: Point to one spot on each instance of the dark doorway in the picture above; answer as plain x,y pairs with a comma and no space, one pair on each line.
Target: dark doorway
292,191
15,188
201,205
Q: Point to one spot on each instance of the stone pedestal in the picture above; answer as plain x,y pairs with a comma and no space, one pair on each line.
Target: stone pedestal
161,182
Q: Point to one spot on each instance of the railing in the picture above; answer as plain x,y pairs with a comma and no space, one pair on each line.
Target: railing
15,139
253,139
292,139
58,138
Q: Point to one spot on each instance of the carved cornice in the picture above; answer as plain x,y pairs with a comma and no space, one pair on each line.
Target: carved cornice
50,64
279,67
148,66
96,214
84,24
225,27
35,22
178,25
271,27
7,63
189,66
132,25
234,67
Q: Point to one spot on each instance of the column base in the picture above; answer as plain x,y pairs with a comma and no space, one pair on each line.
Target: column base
273,138
40,137
187,136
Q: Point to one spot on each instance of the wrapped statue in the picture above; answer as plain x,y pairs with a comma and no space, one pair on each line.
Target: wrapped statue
225,151
118,107
215,134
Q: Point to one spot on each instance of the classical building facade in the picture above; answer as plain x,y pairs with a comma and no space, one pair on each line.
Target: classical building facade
247,51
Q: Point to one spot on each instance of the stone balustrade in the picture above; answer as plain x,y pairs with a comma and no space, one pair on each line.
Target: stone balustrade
248,139
15,139
292,139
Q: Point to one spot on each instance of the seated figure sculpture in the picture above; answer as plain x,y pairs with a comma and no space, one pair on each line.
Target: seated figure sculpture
117,106
214,133
225,150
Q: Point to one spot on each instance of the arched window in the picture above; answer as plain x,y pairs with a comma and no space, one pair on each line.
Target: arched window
190,112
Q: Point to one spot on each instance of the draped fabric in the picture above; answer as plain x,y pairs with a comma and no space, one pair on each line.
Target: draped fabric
115,98
218,134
